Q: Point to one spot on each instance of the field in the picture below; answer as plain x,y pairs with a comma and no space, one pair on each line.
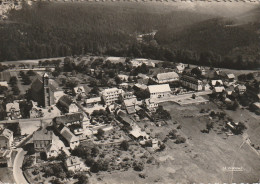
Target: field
6,175
202,159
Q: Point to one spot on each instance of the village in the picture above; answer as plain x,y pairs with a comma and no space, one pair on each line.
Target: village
78,119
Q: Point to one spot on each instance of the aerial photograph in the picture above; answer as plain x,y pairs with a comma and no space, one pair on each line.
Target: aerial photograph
129,92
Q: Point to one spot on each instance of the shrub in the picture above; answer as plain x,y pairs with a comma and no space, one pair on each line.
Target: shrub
180,140
138,166
124,145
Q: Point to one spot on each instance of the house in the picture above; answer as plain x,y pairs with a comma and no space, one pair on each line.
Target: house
52,150
229,90
180,68
218,89
230,77
216,83
168,77
150,104
69,119
202,70
6,138
139,61
71,139
159,91
90,102
129,105
13,110
123,77
79,91
66,104
41,139
191,82
111,95
140,87
205,86
115,59
142,76
74,164
123,85
240,89
7,157
124,118
45,91
126,95
4,83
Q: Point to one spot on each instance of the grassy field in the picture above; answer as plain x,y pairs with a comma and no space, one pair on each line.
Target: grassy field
201,159
6,175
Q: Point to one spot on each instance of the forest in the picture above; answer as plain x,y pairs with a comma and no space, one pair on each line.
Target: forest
55,29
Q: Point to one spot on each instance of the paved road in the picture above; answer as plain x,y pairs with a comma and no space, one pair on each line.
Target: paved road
17,167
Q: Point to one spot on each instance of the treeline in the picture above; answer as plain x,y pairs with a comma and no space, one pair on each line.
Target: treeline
63,29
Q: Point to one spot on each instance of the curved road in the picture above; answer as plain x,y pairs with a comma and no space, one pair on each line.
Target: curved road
17,167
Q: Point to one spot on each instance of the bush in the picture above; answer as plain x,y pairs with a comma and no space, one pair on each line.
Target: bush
180,140
138,166
124,145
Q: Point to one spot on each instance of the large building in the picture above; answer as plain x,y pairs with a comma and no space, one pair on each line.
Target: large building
45,91
167,77
159,91
111,95
191,82
66,104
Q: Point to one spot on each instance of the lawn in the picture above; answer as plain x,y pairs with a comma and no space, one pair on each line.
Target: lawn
6,175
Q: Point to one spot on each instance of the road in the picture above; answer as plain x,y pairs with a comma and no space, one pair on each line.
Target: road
17,167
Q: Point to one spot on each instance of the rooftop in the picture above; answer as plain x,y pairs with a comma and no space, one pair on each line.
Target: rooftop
43,135
166,76
159,88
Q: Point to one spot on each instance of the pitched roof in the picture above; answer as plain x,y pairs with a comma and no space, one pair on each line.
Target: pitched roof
3,83
93,100
167,76
69,118
231,76
6,133
214,82
79,89
130,110
130,102
43,135
68,135
65,100
141,86
159,88
13,105
219,89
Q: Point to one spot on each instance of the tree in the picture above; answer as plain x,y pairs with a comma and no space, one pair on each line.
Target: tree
180,140
82,179
13,80
138,166
31,73
209,125
193,96
118,80
94,90
100,133
124,145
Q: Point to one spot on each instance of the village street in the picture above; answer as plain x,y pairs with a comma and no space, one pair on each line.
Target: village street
17,167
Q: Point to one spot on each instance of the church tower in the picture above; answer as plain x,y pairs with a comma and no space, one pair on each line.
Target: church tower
46,90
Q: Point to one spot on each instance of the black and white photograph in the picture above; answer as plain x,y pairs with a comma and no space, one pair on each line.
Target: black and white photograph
129,91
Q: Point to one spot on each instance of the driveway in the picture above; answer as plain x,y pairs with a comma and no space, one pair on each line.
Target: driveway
17,167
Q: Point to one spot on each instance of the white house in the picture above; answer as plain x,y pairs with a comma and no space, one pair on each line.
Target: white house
180,68
219,89
111,95
74,164
159,91
79,91
165,77
150,104
13,110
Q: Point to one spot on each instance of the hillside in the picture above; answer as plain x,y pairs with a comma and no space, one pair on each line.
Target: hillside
217,35
60,29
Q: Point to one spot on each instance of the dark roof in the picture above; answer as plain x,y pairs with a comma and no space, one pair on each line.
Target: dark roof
69,118
65,100
36,85
42,134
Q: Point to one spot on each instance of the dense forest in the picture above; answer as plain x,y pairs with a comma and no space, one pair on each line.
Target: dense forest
63,29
